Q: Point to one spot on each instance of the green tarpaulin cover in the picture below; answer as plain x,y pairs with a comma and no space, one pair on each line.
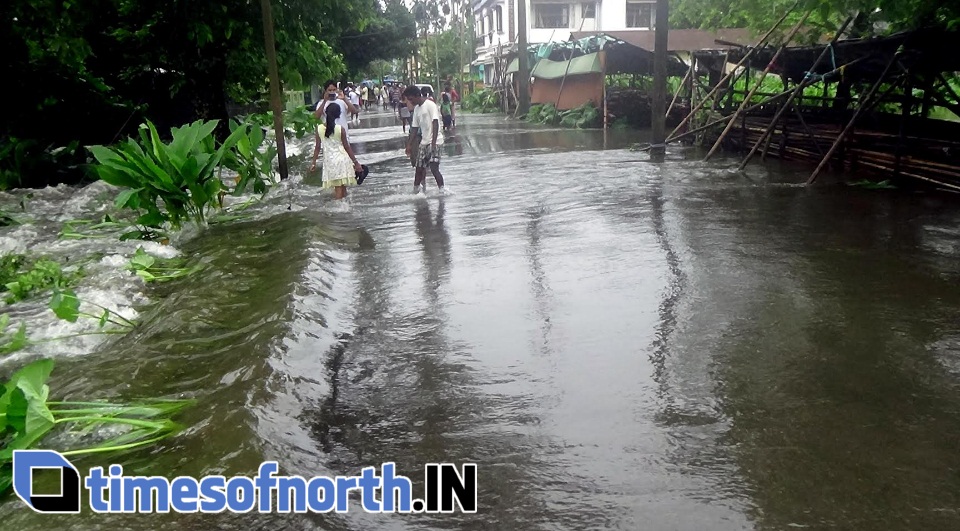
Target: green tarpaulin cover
585,64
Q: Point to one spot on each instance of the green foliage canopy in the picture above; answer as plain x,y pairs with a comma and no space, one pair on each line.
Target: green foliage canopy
89,71
876,16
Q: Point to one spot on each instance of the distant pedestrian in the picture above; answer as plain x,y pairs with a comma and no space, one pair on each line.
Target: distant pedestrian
428,94
426,129
340,165
395,98
446,111
406,113
355,100
454,99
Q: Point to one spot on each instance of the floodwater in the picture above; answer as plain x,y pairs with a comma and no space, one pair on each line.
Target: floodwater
617,344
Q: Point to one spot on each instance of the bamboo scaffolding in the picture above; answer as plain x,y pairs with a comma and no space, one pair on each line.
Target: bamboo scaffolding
799,90
680,87
853,120
746,100
763,103
744,59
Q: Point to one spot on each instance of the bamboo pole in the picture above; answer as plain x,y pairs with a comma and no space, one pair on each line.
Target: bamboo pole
799,90
729,117
606,109
853,120
573,50
746,99
680,87
744,59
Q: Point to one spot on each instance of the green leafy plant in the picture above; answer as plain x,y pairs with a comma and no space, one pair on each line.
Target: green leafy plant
27,416
482,101
298,122
167,183
11,342
584,116
20,282
66,306
152,269
250,159
872,185
6,219
11,266
533,114
84,229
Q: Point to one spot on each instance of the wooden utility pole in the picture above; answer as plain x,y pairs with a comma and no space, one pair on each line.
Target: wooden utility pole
658,104
523,66
275,102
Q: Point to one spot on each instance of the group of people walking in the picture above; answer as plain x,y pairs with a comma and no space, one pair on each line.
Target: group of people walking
414,106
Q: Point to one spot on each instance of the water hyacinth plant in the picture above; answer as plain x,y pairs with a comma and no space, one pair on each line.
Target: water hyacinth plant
21,280
27,416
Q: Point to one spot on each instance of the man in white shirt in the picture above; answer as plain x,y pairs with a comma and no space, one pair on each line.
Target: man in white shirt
425,128
355,100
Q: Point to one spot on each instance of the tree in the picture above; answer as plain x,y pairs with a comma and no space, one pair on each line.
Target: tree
391,34
892,15
97,68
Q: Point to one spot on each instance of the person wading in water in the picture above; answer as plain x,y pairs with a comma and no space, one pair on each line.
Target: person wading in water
340,166
425,128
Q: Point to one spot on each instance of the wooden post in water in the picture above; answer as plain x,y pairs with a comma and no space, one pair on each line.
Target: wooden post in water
275,104
523,66
658,115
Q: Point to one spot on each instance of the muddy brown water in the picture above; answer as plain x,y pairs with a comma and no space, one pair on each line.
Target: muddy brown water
617,344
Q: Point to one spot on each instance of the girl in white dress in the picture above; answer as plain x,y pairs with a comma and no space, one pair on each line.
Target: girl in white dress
340,166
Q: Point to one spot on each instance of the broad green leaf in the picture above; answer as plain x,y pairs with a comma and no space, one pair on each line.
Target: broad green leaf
65,305
128,198
16,341
151,219
15,401
132,235
142,260
198,195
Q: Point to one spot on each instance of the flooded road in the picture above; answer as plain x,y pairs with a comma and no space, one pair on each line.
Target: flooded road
617,344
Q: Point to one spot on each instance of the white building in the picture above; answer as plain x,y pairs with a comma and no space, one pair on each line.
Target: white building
551,21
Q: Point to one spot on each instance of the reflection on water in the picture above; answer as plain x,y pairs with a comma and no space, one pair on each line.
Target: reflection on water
617,344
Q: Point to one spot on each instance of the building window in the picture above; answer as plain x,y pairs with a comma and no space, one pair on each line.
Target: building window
551,16
498,18
639,15
589,11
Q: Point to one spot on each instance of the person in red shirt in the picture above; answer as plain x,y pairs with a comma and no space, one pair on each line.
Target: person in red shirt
455,98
